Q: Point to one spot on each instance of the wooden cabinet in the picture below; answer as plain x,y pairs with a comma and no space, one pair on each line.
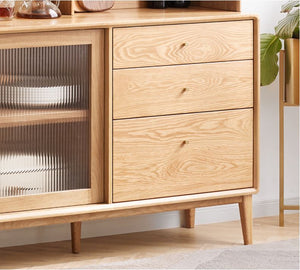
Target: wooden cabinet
161,114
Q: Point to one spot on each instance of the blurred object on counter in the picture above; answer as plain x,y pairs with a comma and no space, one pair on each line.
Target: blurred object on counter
6,9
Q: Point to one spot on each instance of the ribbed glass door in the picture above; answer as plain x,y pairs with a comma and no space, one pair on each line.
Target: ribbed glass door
44,138
49,155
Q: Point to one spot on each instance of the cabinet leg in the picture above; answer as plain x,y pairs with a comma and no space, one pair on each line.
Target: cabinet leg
189,218
246,218
76,235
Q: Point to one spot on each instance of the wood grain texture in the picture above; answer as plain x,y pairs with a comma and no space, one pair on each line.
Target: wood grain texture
13,118
182,89
103,211
246,218
46,200
182,154
76,236
59,38
108,116
97,112
124,17
189,216
120,4
182,44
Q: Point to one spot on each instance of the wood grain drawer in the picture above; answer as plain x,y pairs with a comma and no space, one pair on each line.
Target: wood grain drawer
182,154
182,89
181,44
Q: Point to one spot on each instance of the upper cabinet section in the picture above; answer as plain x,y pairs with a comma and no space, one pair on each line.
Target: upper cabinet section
182,44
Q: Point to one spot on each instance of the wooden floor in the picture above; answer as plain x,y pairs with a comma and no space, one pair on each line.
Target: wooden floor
146,244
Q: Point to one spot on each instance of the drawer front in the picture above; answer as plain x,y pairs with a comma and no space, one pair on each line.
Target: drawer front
182,89
182,154
181,44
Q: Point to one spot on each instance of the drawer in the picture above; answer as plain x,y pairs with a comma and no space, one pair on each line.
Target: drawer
182,154
181,44
182,89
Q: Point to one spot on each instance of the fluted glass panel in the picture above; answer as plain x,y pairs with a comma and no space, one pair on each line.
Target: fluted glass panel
44,119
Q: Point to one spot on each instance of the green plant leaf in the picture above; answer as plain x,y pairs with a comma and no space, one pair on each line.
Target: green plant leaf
296,33
287,7
287,25
270,45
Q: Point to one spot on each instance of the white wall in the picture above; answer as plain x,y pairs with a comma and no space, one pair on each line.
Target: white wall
265,203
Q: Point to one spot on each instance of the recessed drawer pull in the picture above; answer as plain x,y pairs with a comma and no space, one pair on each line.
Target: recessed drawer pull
185,142
185,44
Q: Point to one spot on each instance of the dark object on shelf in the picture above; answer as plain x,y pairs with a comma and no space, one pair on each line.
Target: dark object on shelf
157,4
179,4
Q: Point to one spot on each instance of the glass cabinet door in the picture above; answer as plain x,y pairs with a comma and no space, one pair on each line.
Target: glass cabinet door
51,105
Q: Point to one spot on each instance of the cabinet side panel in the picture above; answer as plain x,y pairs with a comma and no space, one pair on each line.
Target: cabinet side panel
256,101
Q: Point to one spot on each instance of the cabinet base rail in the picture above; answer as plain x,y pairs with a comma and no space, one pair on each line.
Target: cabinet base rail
76,214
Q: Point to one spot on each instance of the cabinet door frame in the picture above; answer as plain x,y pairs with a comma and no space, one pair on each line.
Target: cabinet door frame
94,194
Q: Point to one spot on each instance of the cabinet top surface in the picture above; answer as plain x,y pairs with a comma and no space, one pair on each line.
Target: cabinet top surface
119,18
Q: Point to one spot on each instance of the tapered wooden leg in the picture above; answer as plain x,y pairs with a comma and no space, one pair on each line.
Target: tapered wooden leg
246,218
189,218
76,236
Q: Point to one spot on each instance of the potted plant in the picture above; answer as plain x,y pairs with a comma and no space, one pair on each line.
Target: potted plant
288,31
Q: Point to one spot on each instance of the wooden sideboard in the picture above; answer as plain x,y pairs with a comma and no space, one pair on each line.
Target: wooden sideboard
173,114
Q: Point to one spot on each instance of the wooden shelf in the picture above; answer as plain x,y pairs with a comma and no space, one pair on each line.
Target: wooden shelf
13,118
125,17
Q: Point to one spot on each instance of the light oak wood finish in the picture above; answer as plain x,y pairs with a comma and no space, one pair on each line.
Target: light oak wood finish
46,200
101,211
118,18
76,236
282,104
256,102
292,90
13,118
205,28
281,136
182,154
72,197
144,245
97,112
182,44
189,216
108,116
46,39
246,218
182,89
